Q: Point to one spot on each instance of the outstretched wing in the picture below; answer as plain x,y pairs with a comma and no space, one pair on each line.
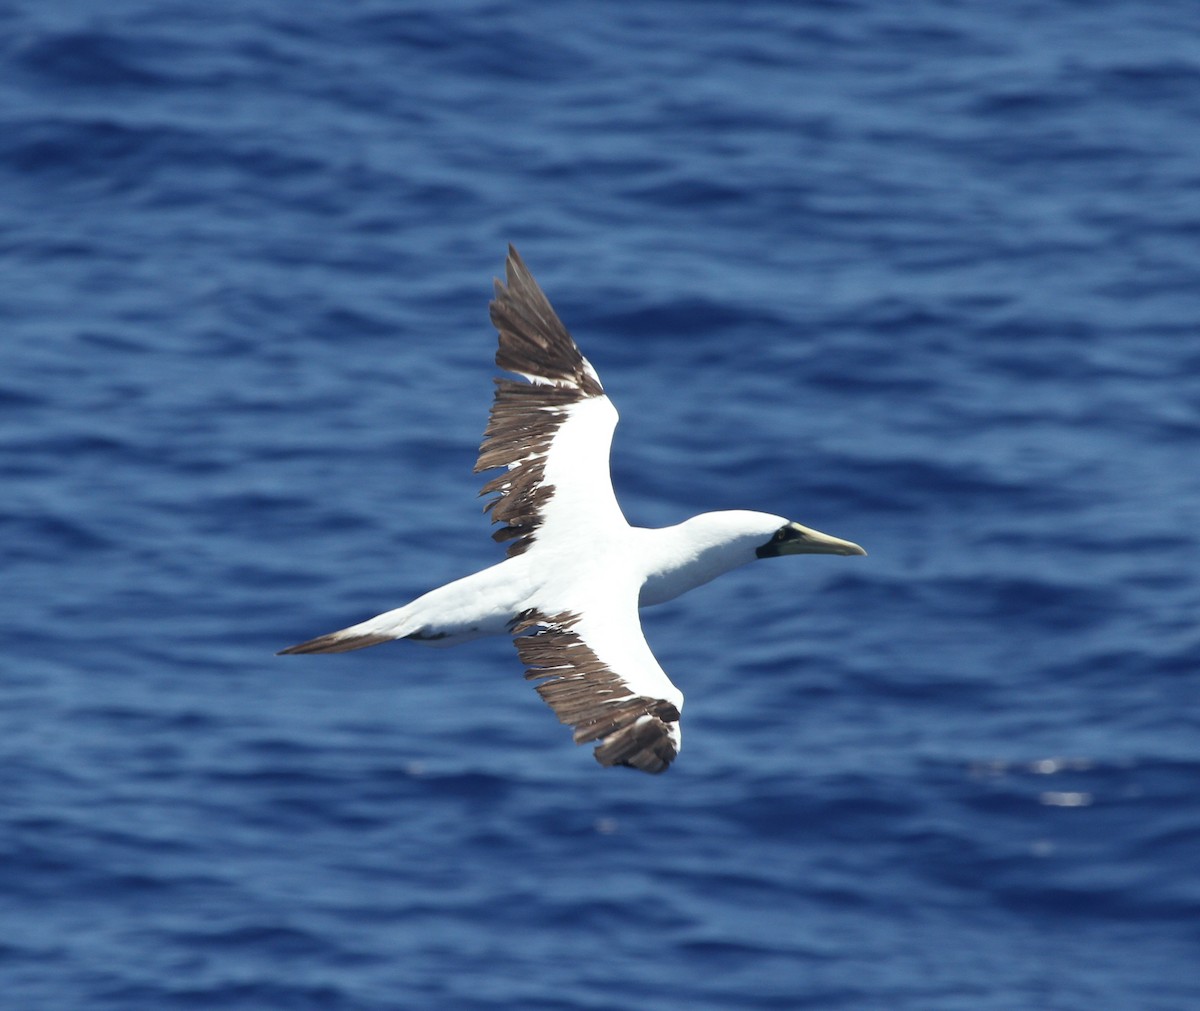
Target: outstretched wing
552,433
600,677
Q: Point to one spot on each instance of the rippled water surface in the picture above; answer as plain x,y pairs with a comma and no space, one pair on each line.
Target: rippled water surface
921,275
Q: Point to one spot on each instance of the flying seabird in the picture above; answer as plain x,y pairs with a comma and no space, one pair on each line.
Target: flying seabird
576,572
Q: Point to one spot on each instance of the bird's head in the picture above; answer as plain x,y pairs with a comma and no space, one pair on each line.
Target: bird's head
794,539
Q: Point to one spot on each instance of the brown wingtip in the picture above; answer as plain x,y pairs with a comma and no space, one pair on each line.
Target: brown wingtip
514,266
335,642
645,744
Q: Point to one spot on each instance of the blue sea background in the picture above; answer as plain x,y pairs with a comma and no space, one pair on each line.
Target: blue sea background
922,275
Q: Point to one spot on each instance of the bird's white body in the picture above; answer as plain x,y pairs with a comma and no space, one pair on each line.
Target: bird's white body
661,563
576,572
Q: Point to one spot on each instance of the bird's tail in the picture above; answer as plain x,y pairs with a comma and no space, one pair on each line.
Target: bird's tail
382,628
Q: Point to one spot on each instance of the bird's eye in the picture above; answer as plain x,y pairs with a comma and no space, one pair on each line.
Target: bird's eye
780,534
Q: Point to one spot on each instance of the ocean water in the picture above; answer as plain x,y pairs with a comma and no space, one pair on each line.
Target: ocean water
923,276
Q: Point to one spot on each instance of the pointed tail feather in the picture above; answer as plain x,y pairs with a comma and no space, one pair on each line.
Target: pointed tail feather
337,642
386,627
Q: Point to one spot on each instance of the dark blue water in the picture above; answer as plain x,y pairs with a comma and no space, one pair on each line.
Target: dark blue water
922,275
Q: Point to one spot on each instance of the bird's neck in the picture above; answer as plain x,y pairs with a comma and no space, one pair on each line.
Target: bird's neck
680,558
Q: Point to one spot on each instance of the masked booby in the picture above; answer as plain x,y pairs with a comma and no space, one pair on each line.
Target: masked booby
576,572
